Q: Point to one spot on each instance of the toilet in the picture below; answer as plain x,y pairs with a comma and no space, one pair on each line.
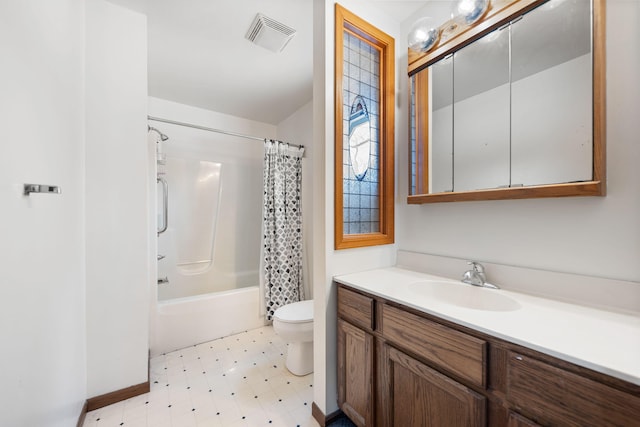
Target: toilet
294,324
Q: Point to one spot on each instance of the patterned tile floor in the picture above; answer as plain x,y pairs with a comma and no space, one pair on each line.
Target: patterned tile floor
240,380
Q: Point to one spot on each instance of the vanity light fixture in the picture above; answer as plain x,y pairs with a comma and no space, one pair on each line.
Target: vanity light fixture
424,34
269,33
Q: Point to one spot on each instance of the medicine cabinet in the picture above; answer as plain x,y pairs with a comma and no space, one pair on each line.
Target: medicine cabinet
512,107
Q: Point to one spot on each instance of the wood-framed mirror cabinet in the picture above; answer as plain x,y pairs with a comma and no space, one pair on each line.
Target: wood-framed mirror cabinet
511,107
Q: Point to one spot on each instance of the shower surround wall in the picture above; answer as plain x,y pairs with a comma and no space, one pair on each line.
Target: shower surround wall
187,245
212,243
206,300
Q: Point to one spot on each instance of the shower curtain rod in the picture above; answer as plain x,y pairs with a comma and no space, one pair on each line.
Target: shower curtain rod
173,122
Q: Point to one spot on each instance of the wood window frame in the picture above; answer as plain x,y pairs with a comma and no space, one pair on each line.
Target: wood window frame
501,12
347,21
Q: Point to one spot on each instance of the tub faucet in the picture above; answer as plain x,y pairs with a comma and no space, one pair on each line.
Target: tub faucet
476,276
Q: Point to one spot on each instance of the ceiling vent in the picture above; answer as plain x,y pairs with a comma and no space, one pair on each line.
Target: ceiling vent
269,33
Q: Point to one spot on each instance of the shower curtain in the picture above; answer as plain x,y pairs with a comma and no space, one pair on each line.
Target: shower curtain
281,226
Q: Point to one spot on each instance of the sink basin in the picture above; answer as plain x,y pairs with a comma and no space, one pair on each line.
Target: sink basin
466,296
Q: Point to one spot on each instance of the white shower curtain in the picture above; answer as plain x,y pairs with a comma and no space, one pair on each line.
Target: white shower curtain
281,261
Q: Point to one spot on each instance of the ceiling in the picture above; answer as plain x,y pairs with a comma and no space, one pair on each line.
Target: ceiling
198,54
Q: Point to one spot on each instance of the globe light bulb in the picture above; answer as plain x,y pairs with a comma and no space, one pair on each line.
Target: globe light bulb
469,11
424,35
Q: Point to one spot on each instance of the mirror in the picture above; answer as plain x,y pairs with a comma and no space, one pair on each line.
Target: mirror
441,159
516,113
551,113
481,114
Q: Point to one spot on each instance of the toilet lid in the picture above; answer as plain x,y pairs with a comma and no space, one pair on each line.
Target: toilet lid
297,312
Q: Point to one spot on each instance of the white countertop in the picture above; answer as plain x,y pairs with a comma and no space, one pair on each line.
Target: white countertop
604,341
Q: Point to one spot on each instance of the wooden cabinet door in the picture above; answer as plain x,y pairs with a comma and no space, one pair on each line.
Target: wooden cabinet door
355,373
419,396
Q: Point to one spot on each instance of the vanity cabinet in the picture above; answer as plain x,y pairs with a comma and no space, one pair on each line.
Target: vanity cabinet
401,367
356,357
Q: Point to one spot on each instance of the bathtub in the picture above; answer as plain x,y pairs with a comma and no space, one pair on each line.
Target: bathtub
183,322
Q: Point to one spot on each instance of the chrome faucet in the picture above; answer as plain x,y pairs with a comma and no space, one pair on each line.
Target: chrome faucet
476,276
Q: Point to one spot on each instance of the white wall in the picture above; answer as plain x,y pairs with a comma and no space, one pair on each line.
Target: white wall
298,129
42,309
117,224
199,116
596,236
328,262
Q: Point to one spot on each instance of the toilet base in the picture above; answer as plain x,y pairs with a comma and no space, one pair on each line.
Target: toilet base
300,358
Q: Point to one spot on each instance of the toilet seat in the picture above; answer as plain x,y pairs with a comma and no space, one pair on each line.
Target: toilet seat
297,312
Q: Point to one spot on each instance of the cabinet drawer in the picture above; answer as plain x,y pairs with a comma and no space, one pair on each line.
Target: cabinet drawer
551,395
356,308
453,351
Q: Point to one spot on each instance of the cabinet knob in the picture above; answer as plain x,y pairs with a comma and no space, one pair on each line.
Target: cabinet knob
519,358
